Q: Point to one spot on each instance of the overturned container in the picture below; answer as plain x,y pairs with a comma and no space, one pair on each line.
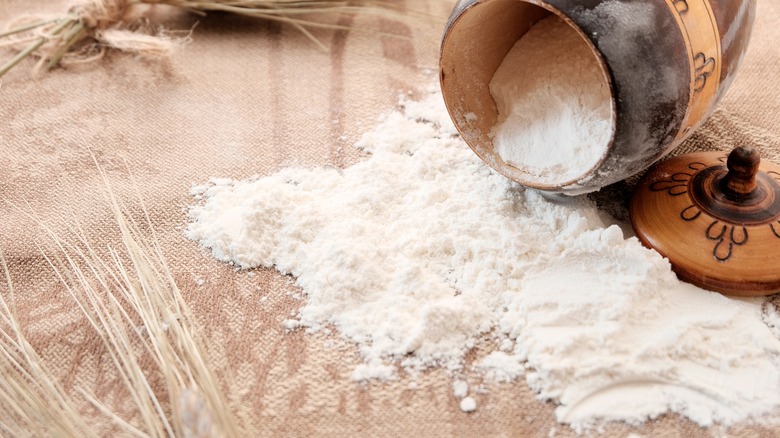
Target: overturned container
666,63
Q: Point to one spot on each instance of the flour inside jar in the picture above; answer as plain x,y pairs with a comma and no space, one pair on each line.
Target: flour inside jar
555,121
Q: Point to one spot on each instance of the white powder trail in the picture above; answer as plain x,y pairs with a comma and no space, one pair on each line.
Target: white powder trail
420,251
554,105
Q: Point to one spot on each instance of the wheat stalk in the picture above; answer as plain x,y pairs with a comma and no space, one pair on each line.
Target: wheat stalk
32,402
135,285
130,299
101,22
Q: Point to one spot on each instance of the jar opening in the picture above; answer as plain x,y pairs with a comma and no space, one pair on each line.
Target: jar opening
528,92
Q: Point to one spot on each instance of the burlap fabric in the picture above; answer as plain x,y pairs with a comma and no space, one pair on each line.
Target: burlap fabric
245,98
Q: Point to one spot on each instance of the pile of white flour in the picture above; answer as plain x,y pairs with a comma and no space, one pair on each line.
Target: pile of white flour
554,105
420,251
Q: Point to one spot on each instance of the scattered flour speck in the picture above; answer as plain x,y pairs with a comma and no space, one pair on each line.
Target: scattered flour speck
468,404
460,388
369,371
500,367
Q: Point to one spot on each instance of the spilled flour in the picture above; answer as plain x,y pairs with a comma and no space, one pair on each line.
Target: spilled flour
420,252
555,113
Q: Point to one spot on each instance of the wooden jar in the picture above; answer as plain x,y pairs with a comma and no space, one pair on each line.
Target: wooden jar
667,62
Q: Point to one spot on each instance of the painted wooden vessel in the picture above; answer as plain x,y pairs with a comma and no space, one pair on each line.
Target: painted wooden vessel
668,63
715,217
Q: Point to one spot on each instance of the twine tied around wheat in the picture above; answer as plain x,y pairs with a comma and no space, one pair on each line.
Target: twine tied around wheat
90,28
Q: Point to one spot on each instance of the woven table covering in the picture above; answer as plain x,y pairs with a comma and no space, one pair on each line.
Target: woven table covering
249,97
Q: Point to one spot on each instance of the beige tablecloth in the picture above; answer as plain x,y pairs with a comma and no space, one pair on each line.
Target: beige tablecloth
250,97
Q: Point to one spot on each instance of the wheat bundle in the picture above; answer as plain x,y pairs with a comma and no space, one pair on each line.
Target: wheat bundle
88,29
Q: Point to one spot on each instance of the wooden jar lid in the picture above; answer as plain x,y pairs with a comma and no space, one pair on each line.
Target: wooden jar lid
716,219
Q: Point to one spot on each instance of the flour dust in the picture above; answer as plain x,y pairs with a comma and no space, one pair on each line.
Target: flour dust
419,252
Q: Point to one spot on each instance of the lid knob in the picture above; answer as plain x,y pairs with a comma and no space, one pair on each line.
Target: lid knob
742,163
